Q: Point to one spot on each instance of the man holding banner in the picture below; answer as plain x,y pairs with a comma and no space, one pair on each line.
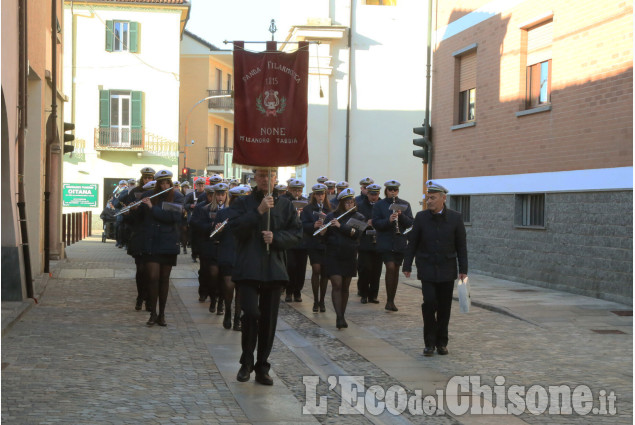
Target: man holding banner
270,126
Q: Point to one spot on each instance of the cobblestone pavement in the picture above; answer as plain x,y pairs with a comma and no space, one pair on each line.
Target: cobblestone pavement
82,355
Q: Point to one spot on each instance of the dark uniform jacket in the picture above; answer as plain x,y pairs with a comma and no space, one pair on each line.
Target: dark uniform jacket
202,224
225,238
437,242
368,241
189,200
308,219
252,260
387,238
160,227
343,241
303,243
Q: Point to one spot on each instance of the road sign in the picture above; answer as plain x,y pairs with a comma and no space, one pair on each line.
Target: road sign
79,194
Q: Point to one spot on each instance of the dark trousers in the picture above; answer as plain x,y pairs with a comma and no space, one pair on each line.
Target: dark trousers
296,268
437,302
259,302
369,268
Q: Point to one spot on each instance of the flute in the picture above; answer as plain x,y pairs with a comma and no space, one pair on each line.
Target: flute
219,228
134,204
329,223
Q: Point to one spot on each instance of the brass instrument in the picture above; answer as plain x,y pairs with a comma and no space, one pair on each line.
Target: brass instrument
134,204
223,224
329,223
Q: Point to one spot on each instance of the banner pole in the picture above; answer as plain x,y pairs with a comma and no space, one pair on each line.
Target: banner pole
269,210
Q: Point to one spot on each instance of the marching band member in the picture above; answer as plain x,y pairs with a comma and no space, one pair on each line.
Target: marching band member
226,255
330,189
160,243
342,241
359,200
391,242
312,217
120,190
189,203
370,261
296,256
322,179
184,186
136,236
260,270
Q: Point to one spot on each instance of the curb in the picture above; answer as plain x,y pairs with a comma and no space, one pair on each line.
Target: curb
26,304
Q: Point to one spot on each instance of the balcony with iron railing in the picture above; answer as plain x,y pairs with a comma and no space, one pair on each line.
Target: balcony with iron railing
216,155
134,140
223,103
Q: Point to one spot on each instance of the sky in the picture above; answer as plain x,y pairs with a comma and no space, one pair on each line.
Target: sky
248,20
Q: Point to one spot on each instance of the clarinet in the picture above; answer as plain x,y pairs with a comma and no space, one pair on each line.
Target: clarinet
397,232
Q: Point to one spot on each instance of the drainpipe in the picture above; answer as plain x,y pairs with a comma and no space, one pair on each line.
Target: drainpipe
428,78
22,110
52,137
348,101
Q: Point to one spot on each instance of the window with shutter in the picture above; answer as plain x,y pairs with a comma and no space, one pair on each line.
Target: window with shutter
137,119
538,71
134,37
104,118
467,87
110,30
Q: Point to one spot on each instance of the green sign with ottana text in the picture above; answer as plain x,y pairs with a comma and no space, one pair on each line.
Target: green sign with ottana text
79,194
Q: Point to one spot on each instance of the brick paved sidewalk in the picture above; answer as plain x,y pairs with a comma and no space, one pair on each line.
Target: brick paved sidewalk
83,355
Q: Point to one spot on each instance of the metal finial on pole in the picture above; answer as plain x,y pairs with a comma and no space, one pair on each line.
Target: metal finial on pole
273,28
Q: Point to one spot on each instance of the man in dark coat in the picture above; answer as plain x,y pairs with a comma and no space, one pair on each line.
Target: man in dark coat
260,272
437,242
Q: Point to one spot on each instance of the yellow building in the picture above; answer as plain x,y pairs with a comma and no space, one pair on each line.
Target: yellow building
207,108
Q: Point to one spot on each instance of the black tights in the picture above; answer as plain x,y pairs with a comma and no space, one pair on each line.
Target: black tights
228,291
142,290
319,280
392,279
158,279
339,293
209,284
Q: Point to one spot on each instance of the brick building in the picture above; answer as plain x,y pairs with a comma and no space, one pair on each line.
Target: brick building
532,120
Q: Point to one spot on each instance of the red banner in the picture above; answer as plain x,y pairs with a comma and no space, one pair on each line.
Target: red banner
270,107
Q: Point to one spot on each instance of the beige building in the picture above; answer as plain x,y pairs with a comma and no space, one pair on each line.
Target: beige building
533,136
32,123
206,108
122,76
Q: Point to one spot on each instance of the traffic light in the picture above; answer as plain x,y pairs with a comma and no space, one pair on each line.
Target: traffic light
185,174
423,142
69,126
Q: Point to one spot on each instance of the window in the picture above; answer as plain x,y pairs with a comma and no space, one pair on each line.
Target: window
219,79
467,87
122,36
538,71
530,210
462,205
120,118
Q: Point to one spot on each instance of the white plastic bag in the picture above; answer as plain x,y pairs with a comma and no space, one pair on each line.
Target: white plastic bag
465,301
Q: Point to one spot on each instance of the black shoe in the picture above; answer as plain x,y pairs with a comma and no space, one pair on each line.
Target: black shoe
442,351
212,305
264,378
288,299
148,307
428,351
139,304
390,306
221,309
316,307
237,326
244,373
364,300
338,322
227,321
322,307
161,320
297,298
152,320
373,300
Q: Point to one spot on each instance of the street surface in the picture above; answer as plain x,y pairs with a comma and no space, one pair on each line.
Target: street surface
83,355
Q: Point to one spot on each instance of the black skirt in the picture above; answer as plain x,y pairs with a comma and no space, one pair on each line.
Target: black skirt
317,256
163,259
345,266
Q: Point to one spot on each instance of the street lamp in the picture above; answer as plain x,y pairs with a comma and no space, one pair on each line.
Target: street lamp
187,121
